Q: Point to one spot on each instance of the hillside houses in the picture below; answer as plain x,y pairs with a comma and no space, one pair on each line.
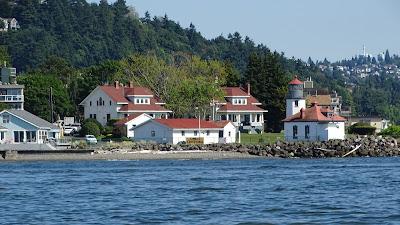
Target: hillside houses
9,24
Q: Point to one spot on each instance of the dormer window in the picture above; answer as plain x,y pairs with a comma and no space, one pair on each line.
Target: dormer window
239,101
142,101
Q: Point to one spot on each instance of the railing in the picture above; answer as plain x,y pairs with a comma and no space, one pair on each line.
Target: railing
11,98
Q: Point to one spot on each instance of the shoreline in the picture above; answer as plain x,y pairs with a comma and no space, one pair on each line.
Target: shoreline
141,155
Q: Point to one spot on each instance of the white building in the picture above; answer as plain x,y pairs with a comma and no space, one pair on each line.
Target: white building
241,108
127,125
11,93
309,124
176,131
117,101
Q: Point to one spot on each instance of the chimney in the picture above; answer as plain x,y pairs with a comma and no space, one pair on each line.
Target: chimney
248,88
302,114
131,84
116,84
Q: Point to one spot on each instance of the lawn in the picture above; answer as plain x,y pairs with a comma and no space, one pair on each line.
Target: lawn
260,138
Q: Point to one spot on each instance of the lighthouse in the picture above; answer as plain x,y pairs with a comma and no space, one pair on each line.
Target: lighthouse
295,99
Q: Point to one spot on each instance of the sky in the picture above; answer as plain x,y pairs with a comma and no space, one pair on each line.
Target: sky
332,29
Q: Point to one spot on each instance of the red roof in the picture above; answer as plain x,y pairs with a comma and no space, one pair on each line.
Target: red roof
122,121
295,81
230,107
138,91
116,94
313,114
222,123
188,123
142,107
235,91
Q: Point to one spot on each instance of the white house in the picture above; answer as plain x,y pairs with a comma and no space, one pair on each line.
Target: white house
20,126
176,131
117,101
9,24
126,125
241,108
309,124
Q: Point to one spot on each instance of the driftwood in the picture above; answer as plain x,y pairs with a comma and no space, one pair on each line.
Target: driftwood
326,150
355,149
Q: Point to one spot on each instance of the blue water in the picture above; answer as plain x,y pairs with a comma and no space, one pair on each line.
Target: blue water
265,191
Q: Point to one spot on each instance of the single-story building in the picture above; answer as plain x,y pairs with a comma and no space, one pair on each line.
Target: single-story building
20,126
377,122
126,125
176,131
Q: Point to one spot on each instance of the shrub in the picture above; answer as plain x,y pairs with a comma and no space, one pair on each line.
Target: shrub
393,131
107,130
361,129
90,128
93,121
111,122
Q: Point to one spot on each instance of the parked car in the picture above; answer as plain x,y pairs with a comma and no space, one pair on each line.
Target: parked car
91,139
69,131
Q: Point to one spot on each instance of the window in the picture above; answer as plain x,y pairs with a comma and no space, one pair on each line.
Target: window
108,117
153,133
296,103
146,101
208,133
90,103
18,136
42,135
90,116
94,116
110,102
223,117
307,132
221,133
6,118
100,101
294,132
2,135
195,133
31,136
183,133
97,102
229,134
126,115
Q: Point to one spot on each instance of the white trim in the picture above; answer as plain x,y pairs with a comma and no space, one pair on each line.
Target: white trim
237,96
159,103
256,103
145,114
150,96
241,111
144,111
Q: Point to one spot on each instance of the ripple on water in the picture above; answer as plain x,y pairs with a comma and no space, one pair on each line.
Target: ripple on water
273,191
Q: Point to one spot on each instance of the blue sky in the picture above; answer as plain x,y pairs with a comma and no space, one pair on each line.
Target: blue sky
317,28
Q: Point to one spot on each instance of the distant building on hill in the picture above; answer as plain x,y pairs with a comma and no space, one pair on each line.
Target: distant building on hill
9,24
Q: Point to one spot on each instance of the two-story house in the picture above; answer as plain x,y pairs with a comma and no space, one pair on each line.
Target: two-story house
241,108
118,101
11,93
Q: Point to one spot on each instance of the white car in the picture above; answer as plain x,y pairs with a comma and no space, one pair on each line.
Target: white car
69,130
91,139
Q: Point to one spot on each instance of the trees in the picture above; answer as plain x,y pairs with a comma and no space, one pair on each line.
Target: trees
269,85
37,96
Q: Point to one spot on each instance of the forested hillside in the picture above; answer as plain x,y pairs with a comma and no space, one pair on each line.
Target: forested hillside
82,45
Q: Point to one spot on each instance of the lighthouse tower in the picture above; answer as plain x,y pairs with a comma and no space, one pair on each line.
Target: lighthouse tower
295,99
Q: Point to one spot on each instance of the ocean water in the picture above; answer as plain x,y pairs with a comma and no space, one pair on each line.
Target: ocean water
251,191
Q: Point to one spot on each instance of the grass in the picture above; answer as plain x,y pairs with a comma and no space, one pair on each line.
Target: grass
265,138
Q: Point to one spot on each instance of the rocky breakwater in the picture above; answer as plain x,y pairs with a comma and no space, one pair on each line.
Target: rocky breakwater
373,146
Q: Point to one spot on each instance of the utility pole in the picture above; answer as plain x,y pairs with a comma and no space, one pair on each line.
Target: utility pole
51,105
